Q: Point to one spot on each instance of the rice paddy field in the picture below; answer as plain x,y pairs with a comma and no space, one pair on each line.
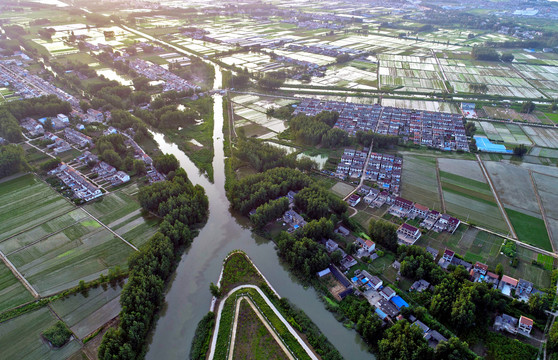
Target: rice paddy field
12,292
472,201
26,202
418,181
426,105
547,187
410,73
54,245
507,133
20,338
85,313
499,78
250,114
544,137
341,189
363,77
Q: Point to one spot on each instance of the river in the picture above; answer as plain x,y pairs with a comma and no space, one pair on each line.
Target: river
188,298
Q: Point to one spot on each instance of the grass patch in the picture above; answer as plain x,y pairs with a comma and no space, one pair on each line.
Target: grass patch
237,270
546,260
530,229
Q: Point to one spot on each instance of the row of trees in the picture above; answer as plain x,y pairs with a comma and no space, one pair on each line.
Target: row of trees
263,156
316,130
168,117
380,141
9,127
115,152
255,190
48,105
182,205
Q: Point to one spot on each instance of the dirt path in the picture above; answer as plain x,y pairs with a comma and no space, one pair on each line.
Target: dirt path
440,191
109,229
502,210
543,212
264,322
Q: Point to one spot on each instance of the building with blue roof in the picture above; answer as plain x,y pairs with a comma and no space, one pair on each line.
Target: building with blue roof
399,302
484,144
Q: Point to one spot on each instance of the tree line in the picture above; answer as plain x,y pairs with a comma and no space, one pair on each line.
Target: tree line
182,206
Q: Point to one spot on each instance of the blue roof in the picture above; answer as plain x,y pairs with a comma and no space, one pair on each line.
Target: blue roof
483,144
355,279
399,302
381,314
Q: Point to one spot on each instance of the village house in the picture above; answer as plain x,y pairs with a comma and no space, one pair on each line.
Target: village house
507,284
77,138
353,200
430,219
331,246
420,286
507,323
524,289
407,234
294,219
419,211
119,178
387,293
525,325
63,118
342,230
369,246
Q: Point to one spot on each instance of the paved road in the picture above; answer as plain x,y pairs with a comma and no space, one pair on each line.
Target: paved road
270,304
502,210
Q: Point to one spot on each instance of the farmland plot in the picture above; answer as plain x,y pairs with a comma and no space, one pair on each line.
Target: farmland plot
26,202
472,201
543,137
508,133
418,181
85,314
547,187
20,338
63,259
12,292
466,168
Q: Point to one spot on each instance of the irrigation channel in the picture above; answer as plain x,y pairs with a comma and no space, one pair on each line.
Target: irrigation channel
188,298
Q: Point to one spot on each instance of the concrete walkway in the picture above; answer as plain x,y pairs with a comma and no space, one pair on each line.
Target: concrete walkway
270,304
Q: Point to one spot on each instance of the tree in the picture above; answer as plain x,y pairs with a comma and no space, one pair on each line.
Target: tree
553,337
538,304
336,256
215,291
499,270
527,107
453,349
139,167
141,83
12,160
520,150
403,341
507,57
384,233
166,163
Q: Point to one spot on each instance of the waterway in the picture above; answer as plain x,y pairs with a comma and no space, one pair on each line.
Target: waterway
188,298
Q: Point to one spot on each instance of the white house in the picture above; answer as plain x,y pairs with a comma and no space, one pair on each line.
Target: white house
63,118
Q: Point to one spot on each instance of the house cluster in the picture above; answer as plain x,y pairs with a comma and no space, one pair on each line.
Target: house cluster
152,174
294,220
32,126
77,138
109,173
382,169
444,131
80,186
28,85
58,145
433,337
156,72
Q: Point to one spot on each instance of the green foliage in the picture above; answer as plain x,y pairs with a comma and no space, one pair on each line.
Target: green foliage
417,263
527,107
380,141
9,127
255,190
552,344
509,248
453,349
310,130
237,270
520,150
263,156
507,57
402,342
368,323
501,347
384,233
214,290
269,211
304,255
165,163
317,202
202,337
12,160
484,53
58,334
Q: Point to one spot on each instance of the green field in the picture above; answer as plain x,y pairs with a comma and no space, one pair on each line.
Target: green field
471,200
26,202
85,313
20,338
63,259
123,214
12,292
253,340
529,229
546,260
418,181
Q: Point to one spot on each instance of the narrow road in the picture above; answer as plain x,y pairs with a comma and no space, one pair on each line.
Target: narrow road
270,304
264,322
109,229
502,210
543,212
18,275
445,78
